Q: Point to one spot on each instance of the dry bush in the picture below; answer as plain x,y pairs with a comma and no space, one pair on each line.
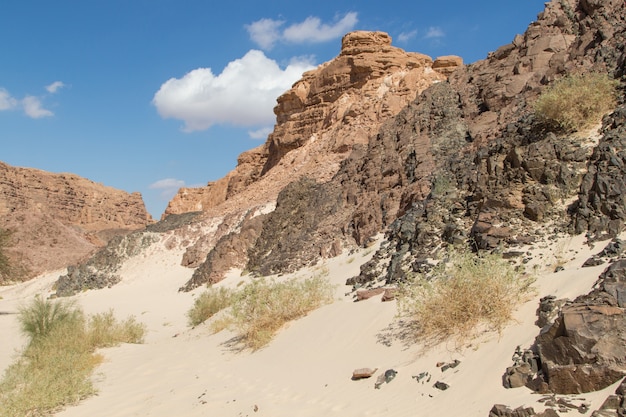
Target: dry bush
54,370
104,330
464,292
577,101
208,304
262,307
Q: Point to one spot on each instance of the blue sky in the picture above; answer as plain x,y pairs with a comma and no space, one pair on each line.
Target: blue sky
151,95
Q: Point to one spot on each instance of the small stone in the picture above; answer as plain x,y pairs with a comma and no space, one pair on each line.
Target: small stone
441,385
362,373
390,374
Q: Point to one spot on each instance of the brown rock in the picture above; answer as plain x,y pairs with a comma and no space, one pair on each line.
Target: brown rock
57,219
585,349
362,373
366,294
327,112
447,64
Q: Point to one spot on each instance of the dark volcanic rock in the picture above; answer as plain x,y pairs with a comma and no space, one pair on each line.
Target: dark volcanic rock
230,251
99,271
601,208
294,234
585,349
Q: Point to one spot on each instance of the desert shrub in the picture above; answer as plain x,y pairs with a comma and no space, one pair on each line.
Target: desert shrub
208,304
54,369
5,267
464,292
41,316
104,330
577,101
262,307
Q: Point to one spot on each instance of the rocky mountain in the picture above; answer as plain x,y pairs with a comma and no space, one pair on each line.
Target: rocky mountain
55,220
428,153
321,118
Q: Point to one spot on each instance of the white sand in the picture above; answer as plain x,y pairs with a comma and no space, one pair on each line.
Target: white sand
306,370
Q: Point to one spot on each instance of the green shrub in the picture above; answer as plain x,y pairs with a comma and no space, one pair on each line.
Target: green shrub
5,267
463,293
42,316
54,370
208,304
577,101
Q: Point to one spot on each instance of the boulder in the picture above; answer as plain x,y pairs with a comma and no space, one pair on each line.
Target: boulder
585,349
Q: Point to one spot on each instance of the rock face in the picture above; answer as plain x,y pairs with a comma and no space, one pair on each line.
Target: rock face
511,175
464,162
330,112
585,349
57,219
601,207
319,120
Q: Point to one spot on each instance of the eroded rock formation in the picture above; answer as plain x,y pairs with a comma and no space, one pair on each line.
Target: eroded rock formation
319,120
57,219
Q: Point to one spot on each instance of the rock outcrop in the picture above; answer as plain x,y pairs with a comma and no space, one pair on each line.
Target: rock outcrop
319,120
57,219
330,112
585,349
513,176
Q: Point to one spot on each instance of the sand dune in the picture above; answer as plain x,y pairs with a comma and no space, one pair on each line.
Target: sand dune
306,370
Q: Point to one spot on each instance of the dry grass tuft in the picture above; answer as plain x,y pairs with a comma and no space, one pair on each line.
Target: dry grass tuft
54,369
576,102
208,304
260,308
465,292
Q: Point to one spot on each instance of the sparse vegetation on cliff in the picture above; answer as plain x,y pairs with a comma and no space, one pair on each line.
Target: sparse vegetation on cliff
577,101
5,268
260,308
54,369
464,292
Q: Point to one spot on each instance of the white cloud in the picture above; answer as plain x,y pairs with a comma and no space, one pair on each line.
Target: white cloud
6,101
312,30
434,32
244,94
168,187
261,133
33,108
407,36
55,86
265,32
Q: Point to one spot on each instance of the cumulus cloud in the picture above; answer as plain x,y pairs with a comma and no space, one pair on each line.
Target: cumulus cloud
33,108
168,187
244,94
261,133
434,32
407,36
312,30
54,87
266,32
6,101
31,105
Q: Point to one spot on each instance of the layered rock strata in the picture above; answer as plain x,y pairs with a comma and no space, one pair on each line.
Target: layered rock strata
57,219
319,120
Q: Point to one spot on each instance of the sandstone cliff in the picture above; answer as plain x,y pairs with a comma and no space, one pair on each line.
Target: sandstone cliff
57,219
320,119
